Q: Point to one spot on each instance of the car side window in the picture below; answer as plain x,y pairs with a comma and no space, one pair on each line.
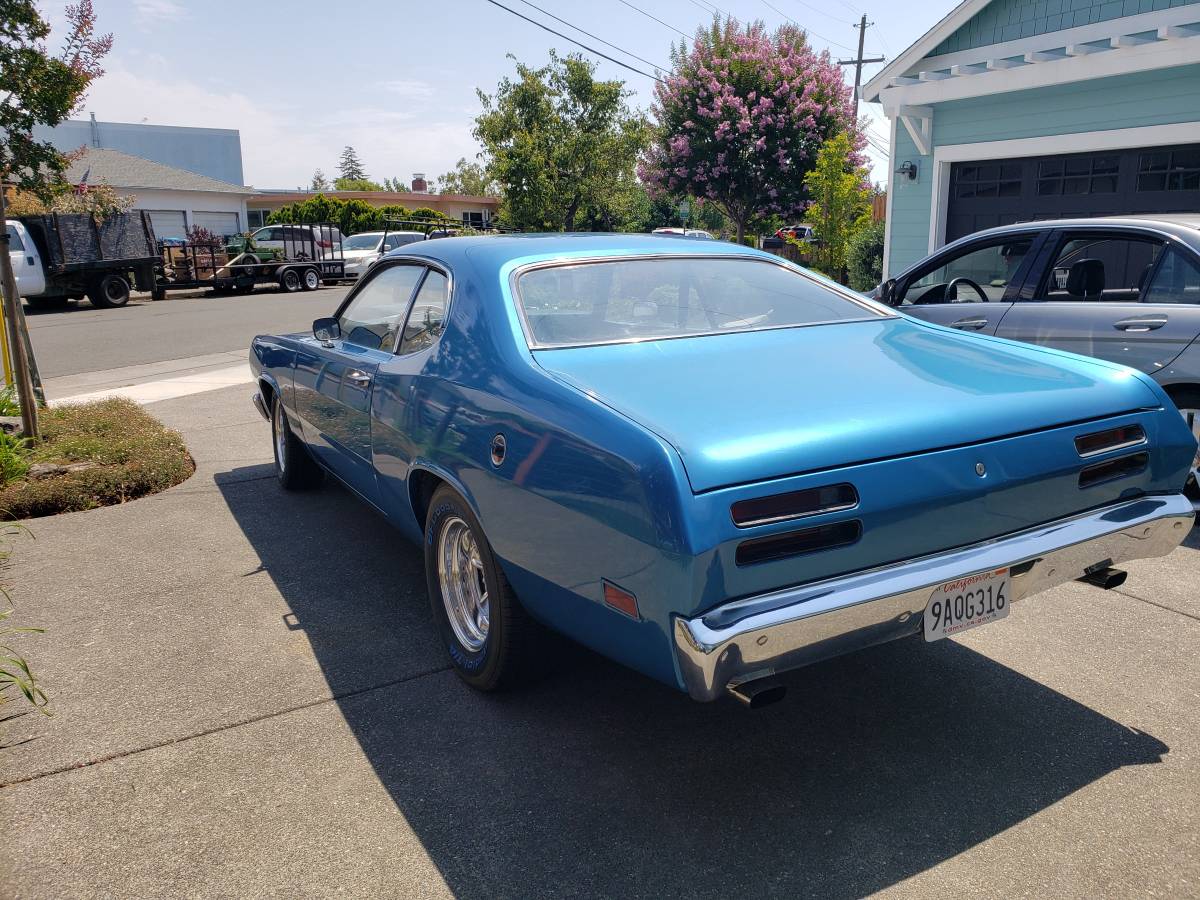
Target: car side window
266,234
427,318
14,240
373,317
976,275
1177,279
1105,268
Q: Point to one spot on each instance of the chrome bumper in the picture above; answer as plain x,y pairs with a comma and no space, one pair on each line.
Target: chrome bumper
261,405
760,636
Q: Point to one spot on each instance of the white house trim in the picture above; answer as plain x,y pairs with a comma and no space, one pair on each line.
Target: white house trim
934,36
1116,139
887,213
918,122
1004,77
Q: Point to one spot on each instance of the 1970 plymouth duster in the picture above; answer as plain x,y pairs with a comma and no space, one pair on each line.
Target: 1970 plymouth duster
706,463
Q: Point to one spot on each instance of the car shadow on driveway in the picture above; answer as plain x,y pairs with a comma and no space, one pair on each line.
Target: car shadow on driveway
596,780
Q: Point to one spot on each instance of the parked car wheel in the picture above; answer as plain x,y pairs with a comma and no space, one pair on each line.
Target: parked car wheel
110,291
289,280
486,631
1188,401
293,466
312,279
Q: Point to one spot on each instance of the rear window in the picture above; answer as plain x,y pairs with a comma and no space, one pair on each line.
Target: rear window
651,299
14,240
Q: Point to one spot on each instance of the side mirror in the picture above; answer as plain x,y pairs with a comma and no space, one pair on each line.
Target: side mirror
327,330
887,292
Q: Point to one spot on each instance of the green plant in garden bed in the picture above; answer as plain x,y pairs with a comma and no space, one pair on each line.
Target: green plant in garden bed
15,672
8,402
111,450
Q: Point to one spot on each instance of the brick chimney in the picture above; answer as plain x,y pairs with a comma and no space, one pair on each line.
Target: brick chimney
420,185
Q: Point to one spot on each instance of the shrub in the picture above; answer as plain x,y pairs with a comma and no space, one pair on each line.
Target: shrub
14,457
8,402
865,259
128,454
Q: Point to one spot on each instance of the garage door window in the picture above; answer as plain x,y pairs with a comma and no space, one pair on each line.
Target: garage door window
1078,175
1169,170
1176,281
1101,268
982,273
988,180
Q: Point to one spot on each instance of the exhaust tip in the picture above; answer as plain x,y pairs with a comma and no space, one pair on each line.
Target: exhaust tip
758,693
1107,578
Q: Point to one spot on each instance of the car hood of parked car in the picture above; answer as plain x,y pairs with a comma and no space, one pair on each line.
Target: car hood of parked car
746,407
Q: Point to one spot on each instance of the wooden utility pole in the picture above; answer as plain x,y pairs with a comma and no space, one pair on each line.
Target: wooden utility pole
858,62
15,328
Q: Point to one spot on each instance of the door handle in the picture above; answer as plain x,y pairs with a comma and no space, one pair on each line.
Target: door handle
357,378
1140,323
972,324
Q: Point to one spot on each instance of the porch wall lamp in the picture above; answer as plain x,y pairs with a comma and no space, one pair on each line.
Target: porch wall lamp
908,168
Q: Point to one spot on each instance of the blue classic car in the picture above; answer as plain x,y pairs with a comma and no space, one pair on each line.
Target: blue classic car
706,463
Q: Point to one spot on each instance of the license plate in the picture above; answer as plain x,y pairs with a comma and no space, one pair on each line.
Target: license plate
966,603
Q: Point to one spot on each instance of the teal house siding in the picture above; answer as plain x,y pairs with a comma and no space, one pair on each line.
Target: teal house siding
1157,97
1010,20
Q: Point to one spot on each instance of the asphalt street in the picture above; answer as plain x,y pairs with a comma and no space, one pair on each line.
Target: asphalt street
250,700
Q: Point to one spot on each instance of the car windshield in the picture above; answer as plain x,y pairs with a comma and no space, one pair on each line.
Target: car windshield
361,242
634,299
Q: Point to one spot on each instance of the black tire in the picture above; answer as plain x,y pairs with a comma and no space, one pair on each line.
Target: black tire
1188,401
294,467
506,655
47,304
110,291
311,280
289,280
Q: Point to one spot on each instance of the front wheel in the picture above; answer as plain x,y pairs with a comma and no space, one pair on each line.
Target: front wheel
487,633
289,280
294,467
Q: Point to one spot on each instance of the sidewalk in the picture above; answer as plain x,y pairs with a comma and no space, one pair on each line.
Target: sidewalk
250,700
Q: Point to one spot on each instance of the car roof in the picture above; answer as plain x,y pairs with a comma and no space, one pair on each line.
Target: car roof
495,251
1185,226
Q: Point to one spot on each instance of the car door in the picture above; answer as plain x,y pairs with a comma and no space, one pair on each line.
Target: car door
334,380
411,409
971,287
1117,294
26,263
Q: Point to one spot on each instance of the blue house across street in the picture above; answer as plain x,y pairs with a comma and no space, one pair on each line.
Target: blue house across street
1012,110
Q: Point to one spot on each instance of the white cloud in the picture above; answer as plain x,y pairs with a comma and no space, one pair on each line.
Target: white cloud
159,10
409,88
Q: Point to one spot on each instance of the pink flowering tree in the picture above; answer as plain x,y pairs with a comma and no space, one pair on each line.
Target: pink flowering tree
740,120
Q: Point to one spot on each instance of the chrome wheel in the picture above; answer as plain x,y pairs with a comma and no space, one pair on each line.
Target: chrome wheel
463,586
280,433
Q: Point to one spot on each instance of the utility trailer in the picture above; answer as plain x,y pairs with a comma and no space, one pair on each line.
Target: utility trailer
66,257
295,257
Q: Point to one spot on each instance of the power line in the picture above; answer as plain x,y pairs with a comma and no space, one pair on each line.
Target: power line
594,37
809,30
575,42
837,18
655,18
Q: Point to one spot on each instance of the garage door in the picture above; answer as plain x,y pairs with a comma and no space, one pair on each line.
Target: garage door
1117,182
224,224
168,223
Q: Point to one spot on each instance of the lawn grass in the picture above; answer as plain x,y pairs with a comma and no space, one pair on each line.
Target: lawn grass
129,454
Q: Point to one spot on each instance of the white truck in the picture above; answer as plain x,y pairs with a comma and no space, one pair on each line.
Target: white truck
58,258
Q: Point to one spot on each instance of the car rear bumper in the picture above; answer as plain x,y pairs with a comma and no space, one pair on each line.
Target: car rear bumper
759,636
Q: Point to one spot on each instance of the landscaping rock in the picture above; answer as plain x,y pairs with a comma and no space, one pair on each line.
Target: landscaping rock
46,470
11,425
81,466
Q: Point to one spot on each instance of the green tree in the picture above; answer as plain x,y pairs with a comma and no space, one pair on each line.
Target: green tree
319,182
468,178
38,88
350,166
866,257
356,184
350,216
740,119
559,143
841,203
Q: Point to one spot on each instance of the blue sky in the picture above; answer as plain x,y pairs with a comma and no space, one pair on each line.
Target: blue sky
397,79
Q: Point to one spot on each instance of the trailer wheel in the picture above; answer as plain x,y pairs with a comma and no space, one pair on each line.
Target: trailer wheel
109,291
312,279
289,280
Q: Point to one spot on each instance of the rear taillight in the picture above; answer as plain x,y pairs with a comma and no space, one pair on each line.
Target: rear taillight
324,245
1112,469
793,505
1107,441
796,543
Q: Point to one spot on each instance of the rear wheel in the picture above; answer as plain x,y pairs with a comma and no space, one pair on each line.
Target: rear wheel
487,633
289,280
109,291
293,465
312,279
1188,401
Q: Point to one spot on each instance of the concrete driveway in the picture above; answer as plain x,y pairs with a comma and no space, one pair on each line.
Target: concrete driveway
250,701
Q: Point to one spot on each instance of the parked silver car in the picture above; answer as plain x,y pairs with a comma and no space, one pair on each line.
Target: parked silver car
1120,289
